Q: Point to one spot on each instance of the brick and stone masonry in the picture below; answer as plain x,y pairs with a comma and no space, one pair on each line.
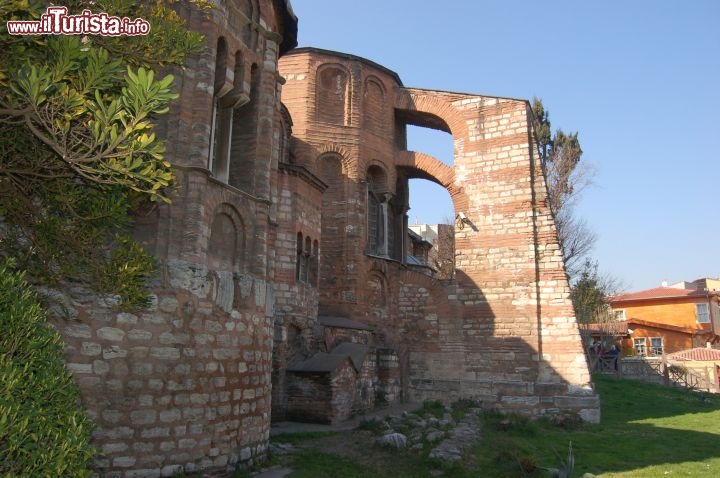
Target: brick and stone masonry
502,331
285,242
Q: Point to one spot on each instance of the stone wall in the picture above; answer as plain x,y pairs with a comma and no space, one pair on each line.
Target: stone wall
181,385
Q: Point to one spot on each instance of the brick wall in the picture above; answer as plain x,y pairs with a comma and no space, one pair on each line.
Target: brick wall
186,384
323,397
503,329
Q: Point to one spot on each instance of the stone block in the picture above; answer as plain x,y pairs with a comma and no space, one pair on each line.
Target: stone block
111,333
143,417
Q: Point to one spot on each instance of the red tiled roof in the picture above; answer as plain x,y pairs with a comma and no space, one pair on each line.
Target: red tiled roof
621,327
661,293
697,354
660,325
617,328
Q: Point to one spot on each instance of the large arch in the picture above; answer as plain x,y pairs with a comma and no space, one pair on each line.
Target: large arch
431,109
416,165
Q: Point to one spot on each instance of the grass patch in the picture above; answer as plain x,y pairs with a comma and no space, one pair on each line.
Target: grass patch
462,407
433,408
318,464
647,430
299,437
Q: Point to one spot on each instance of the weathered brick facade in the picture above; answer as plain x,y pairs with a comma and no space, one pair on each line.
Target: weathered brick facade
286,242
502,330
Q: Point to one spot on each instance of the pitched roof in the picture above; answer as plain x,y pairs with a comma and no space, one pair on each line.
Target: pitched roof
661,293
319,363
323,362
698,354
660,325
356,352
620,328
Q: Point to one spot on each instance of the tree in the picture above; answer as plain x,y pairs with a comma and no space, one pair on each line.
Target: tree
590,297
43,428
78,149
566,177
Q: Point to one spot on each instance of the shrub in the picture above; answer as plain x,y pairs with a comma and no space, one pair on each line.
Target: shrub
43,429
434,408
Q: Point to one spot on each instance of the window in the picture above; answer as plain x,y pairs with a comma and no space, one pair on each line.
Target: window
306,268
221,127
243,144
702,312
314,264
301,269
639,346
619,314
377,212
656,346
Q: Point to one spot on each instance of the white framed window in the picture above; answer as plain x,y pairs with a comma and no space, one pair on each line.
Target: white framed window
656,345
639,346
702,312
619,314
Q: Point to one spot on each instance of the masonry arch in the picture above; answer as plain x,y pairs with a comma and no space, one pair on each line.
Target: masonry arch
430,109
431,237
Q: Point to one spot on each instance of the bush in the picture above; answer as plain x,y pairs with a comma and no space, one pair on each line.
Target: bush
434,408
43,429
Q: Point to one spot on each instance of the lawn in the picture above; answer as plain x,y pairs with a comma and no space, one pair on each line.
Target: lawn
647,430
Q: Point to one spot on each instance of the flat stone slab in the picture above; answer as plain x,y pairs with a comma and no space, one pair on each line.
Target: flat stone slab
459,439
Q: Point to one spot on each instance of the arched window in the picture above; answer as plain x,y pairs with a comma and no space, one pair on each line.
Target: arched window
303,258
378,198
221,128
244,137
332,95
306,266
314,264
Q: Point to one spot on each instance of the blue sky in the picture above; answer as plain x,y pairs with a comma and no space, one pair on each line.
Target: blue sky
637,79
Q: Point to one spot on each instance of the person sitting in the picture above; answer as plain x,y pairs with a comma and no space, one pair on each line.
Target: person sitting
614,352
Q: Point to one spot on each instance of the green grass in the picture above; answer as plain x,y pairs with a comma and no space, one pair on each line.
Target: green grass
317,464
299,437
646,431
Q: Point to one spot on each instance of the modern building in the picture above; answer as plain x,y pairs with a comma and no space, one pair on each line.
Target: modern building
670,318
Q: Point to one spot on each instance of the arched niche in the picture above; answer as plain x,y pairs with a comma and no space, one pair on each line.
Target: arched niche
332,86
226,243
